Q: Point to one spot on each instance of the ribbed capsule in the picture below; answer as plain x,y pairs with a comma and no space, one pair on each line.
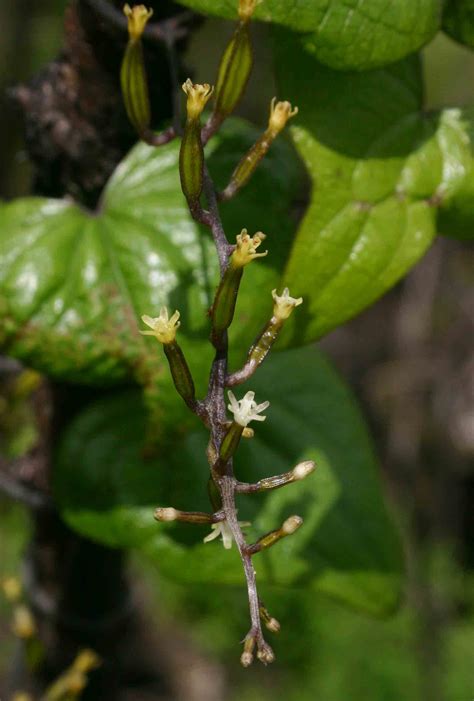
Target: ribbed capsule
134,87
234,71
191,161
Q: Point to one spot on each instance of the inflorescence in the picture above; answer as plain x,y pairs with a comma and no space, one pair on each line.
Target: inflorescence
225,434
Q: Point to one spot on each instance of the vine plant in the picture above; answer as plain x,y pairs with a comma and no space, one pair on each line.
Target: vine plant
225,435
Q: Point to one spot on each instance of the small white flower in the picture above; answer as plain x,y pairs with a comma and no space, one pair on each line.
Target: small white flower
284,304
245,409
223,529
163,328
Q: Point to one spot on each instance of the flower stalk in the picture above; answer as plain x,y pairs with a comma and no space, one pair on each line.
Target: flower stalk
280,113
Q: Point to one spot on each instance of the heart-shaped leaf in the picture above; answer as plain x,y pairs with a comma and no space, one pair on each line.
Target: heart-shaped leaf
74,283
346,34
380,170
347,547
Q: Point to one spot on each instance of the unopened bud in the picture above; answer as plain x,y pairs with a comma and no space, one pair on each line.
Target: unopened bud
266,654
166,514
273,625
291,524
246,659
303,469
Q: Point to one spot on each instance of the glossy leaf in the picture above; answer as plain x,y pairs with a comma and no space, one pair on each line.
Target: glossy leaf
380,169
458,21
456,214
73,284
347,547
346,34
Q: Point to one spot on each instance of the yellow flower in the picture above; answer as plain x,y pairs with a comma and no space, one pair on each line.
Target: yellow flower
280,113
163,328
284,304
137,16
246,249
198,95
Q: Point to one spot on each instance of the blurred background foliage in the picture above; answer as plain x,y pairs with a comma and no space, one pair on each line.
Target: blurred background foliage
408,359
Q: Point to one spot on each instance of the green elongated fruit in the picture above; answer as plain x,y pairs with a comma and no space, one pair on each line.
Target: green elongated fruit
234,71
135,87
191,161
180,372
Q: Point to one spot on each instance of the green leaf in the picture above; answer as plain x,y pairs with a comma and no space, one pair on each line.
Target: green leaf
347,547
458,21
346,34
456,214
380,169
74,283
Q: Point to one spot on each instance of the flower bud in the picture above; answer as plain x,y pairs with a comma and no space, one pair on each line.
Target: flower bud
291,525
166,514
137,17
303,469
266,654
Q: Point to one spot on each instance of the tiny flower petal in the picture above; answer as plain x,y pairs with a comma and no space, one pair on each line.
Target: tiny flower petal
246,409
223,529
284,304
162,327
